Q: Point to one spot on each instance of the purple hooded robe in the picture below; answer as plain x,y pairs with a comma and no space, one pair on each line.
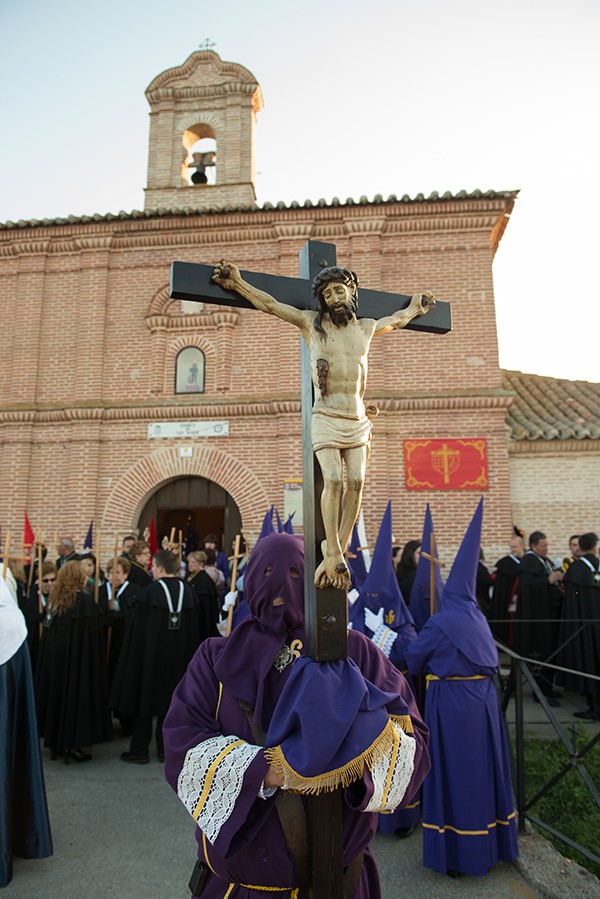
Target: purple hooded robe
214,764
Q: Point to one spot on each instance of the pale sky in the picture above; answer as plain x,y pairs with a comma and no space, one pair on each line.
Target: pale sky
361,98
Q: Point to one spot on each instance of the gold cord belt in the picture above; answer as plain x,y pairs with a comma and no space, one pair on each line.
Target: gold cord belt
430,677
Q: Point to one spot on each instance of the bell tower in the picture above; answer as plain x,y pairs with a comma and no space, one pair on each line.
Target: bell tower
201,152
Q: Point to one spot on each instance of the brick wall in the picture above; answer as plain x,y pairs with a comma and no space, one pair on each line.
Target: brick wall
91,340
554,491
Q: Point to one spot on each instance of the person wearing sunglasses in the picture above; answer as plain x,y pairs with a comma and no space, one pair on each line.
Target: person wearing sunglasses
34,608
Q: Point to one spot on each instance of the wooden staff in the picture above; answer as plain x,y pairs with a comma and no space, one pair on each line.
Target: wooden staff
180,546
236,556
6,553
113,586
359,549
36,540
39,568
97,569
433,561
55,544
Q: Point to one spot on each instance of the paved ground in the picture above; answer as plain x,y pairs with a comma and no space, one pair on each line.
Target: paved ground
120,831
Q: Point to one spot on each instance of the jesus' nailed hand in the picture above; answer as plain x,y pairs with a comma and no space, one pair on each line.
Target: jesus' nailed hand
341,424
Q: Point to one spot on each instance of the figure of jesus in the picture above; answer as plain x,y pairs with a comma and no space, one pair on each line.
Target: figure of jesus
341,423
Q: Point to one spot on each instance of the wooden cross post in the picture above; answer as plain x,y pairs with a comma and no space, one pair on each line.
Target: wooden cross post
325,609
433,561
236,557
40,558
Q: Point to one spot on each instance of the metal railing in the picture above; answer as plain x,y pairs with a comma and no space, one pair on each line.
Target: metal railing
522,672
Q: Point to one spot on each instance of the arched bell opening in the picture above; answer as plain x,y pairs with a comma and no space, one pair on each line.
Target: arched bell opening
200,160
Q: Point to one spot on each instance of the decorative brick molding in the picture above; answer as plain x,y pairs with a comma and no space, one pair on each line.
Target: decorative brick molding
133,490
552,447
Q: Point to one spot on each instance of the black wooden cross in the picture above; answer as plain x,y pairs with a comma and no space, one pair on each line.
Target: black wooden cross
326,640
326,611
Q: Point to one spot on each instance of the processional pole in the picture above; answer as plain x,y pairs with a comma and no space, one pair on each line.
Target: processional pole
325,614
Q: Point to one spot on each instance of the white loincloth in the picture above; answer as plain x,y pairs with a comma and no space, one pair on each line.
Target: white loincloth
335,431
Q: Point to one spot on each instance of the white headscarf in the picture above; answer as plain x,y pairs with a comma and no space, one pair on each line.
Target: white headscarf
13,631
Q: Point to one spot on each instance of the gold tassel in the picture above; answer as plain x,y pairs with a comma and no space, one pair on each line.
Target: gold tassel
339,777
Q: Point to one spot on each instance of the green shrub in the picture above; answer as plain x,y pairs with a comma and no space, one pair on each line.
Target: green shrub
568,806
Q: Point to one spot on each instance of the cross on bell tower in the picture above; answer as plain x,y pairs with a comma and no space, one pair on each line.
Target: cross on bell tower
205,98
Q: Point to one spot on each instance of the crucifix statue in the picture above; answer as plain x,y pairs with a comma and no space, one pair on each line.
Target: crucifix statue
336,427
338,337
339,344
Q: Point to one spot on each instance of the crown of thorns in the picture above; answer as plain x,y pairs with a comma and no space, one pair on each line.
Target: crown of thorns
335,273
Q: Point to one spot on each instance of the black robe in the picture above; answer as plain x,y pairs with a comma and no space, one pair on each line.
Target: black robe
70,679
116,621
154,657
538,608
483,582
405,582
209,604
33,620
505,587
62,560
138,575
580,641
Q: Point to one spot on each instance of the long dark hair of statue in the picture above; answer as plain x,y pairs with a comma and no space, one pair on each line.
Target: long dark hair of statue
338,274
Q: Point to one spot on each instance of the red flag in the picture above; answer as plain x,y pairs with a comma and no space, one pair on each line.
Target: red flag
152,537
28,535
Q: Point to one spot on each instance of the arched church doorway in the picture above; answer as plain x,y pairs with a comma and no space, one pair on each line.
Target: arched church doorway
196,507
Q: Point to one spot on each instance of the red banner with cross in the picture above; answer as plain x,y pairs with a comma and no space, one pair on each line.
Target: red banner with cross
448,464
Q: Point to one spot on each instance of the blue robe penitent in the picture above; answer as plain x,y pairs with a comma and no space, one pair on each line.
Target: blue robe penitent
469,818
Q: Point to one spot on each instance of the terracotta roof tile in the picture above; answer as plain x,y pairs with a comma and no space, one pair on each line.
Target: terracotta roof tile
552,408
294,204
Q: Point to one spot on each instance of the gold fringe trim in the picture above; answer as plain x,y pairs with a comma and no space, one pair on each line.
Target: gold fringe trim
404,722
339,777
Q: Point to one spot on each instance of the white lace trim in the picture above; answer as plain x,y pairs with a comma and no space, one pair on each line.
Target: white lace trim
384,638
211,780
392,774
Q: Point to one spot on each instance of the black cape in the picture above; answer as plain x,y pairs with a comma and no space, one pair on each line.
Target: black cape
115,622
538,608
24,824
33,620
579,638
209,604
483,582
154,657
138,575
505,587
405,582
70,679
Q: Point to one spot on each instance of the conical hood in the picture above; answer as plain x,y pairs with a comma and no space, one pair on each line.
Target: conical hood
381,585
420,592
288,527
461,619
279,521
356,561
463,574
267,525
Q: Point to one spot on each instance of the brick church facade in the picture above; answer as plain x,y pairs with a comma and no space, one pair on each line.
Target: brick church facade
118,403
